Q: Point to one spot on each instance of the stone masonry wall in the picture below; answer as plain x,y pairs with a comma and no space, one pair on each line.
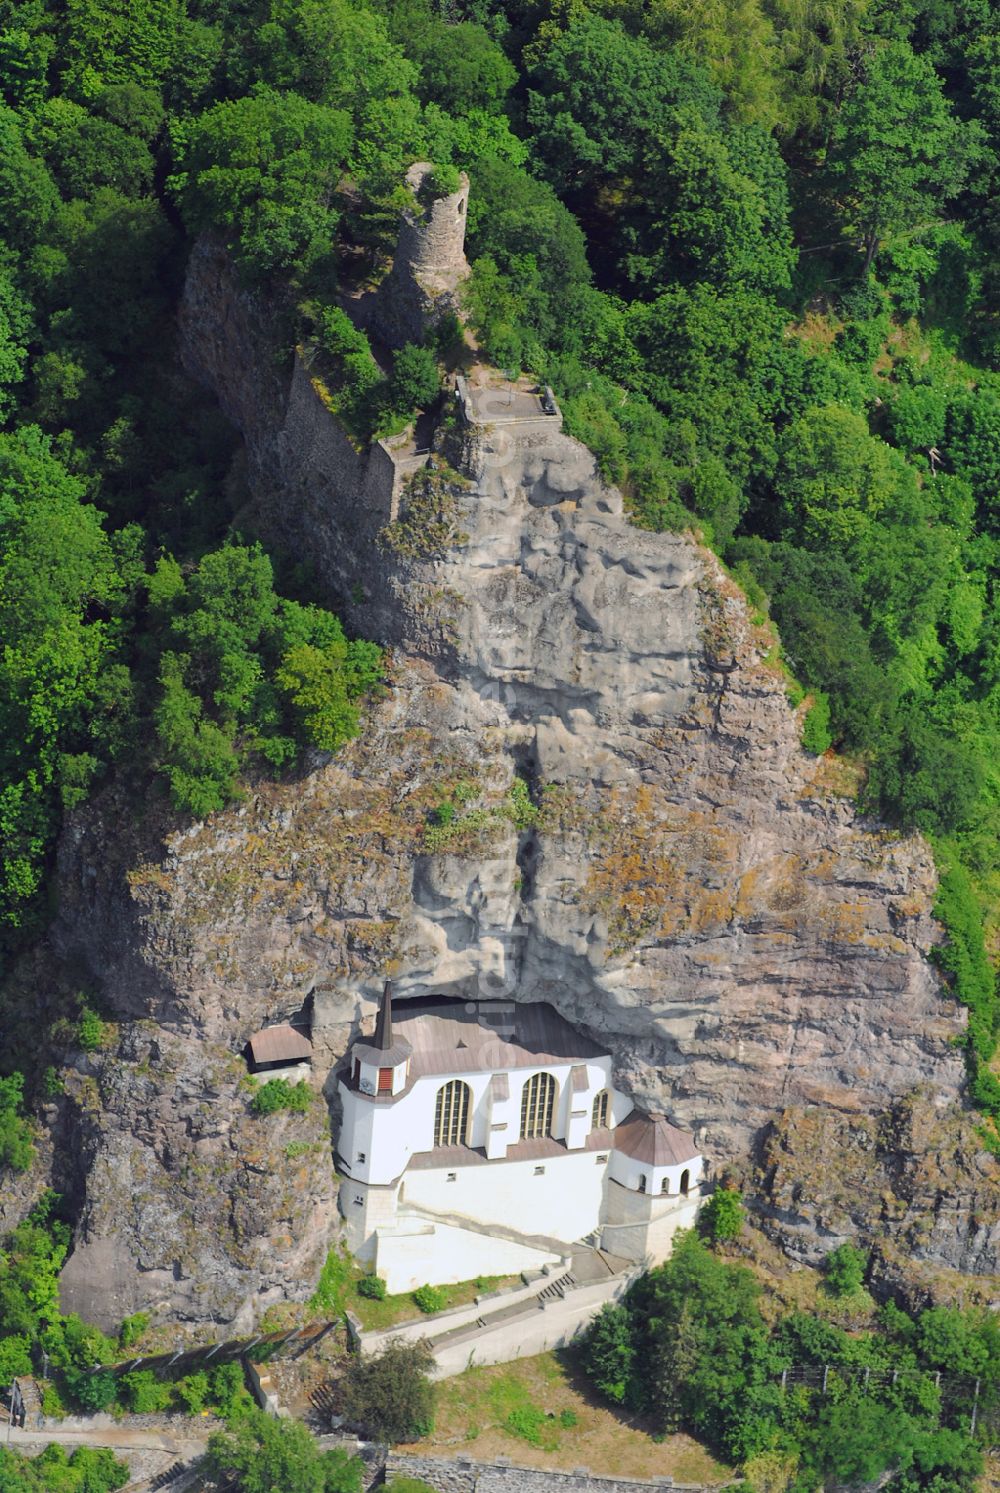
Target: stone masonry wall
463,1476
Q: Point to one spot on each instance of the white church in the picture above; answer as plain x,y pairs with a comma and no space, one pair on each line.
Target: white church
486,1138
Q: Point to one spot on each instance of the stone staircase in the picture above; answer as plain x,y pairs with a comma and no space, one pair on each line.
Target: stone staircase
418,1213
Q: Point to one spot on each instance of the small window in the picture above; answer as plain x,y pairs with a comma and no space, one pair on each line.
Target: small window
602,1158
642,1182
539,1171
357,1069
452,1176
665,1185
385,1080
601,1111
685,1182
358,1200
362,1158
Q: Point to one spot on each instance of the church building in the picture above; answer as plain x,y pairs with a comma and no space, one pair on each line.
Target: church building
484,1138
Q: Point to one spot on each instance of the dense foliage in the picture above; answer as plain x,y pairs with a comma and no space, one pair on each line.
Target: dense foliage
690,1348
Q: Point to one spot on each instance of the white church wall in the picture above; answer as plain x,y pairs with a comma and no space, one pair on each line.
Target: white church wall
387,1133
442,1254
558,1196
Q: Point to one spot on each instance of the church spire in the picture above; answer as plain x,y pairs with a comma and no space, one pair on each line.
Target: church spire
382,1040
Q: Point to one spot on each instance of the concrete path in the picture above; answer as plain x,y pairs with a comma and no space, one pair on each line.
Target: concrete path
184,1448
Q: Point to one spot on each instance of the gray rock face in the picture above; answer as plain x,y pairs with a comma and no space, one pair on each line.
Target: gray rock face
685,881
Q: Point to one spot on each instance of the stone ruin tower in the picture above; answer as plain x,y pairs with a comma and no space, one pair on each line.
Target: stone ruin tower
429,263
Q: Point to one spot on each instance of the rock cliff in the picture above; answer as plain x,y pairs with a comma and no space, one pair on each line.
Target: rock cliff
635,836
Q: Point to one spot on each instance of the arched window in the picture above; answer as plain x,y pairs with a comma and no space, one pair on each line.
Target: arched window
685,1182
601,1111
451,1114
642,1182
665,1185
538,1100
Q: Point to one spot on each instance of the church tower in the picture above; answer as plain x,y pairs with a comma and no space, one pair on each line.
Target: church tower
374,1145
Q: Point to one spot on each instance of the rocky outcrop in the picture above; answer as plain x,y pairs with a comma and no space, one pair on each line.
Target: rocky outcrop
679,877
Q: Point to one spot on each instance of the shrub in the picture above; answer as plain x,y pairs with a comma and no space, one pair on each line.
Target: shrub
444,181
816,737
844,1268
90,1032
132,1329
722,1216
372,1286
390,1396
568,1419
278,1093
144,1393
193,1391
430,1299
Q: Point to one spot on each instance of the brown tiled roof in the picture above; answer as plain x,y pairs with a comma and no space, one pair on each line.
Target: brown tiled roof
652,1139
280,1044
458,1038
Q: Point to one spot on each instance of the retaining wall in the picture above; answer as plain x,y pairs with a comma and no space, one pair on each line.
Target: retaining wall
463,1476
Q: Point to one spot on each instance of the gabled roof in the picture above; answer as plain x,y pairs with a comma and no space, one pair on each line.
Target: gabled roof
280,1044
487,1037
652,1139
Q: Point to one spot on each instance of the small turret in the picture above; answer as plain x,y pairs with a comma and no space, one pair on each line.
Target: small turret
380,1068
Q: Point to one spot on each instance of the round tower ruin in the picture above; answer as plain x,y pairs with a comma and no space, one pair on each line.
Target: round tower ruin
429,264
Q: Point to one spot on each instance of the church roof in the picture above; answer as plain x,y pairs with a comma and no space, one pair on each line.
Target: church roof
280,1044
488,1037
652,1139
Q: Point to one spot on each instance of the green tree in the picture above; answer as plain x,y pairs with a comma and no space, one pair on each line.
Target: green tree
608,1352
324,685
898,153
389,1394
261,171
264,1455
415,382
16,1149
844,1269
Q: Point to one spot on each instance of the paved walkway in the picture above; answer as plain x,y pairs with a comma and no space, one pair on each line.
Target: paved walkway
119,1437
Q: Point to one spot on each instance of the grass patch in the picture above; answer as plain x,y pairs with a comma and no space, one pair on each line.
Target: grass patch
376,1316
540,1411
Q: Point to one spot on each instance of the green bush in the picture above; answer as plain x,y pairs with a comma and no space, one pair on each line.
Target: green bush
430,1298
132,1329
816,737
844,1268
16,1148
568,1419
193,1391
722,1216
390,1395
90,1031
372,1286
443,181
143,1393
279,1094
